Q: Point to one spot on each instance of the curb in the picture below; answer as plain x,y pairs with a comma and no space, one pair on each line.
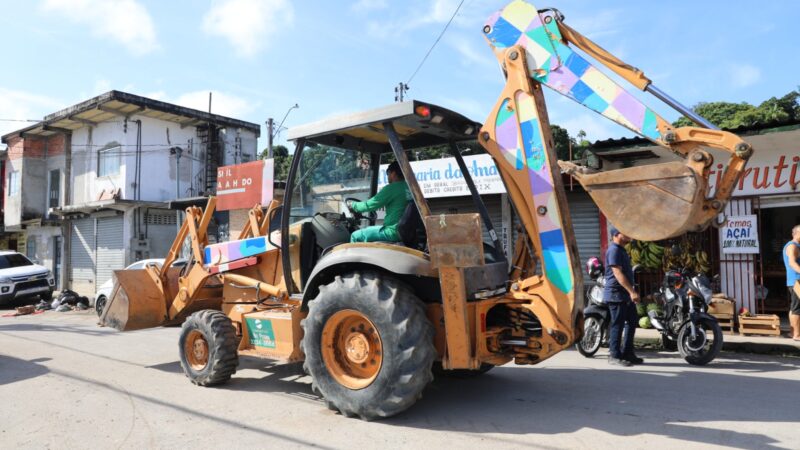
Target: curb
736,347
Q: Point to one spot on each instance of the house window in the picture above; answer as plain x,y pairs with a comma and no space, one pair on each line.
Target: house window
13,182
30,250
108,161
54,195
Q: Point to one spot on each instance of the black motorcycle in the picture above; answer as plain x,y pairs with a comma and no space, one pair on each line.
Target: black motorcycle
685,324
596,315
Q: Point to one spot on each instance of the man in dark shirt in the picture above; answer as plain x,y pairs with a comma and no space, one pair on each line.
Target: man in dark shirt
621,297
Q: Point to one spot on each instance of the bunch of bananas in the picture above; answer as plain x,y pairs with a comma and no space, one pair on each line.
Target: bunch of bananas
647,254
696,261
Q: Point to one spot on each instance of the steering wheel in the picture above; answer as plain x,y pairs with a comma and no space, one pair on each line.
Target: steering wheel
372,216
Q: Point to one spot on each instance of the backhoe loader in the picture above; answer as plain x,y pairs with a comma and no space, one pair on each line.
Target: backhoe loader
370,320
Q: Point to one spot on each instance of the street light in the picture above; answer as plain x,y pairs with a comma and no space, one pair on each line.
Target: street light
272,134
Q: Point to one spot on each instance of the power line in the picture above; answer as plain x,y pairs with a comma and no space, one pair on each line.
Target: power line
435,42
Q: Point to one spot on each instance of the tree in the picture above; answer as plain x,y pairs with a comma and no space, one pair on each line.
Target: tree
282,160
733,115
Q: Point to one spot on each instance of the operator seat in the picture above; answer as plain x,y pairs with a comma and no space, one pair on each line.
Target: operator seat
411,228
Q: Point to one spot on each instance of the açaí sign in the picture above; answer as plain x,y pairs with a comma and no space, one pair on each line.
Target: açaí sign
244,185
739,234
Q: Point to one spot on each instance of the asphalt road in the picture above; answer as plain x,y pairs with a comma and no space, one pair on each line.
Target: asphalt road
65,383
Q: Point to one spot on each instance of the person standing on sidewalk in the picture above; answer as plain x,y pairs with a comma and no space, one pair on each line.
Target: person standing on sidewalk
791,259
621,297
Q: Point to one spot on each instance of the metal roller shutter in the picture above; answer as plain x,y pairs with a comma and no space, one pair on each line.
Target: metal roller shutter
110,247
81,259
586,224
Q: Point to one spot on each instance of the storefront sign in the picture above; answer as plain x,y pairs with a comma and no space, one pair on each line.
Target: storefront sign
244,185
442,177
774,167
739,235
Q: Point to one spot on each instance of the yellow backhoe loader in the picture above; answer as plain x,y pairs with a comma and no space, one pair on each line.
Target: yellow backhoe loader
370,320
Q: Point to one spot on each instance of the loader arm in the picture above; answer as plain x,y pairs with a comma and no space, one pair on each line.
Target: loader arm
628,197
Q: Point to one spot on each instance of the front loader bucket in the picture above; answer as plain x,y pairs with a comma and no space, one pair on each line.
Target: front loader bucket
648,203
136,302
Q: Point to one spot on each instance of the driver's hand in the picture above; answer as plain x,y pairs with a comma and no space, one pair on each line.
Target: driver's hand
635,297
349,204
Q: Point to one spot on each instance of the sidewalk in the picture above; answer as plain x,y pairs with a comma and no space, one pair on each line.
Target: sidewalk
774,345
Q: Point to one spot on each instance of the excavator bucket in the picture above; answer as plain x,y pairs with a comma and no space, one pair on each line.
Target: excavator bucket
648,203
136,302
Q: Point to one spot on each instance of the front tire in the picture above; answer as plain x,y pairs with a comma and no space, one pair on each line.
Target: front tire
668,344
700,351
592,336
99,305
47,296
208,348
368,345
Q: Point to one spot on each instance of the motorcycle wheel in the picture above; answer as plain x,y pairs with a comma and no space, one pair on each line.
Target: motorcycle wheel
668,344
701,350
592,336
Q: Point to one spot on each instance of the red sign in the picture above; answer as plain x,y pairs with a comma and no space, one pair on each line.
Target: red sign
244,185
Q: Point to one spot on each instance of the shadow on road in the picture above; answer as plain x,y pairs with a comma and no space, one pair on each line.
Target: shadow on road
13,369
621,401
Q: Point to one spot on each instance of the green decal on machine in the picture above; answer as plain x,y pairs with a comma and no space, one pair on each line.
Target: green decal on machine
260,333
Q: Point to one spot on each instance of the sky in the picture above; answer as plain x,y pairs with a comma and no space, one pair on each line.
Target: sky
261,57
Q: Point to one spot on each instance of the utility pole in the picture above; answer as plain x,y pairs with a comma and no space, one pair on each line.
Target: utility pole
270,123
399,92
272,132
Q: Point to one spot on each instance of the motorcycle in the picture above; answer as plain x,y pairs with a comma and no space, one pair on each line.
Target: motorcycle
685,324
596,316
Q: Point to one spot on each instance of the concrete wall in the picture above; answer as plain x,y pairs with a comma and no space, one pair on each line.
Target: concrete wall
45,249
160,180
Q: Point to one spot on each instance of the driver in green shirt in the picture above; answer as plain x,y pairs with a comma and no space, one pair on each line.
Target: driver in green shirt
394,197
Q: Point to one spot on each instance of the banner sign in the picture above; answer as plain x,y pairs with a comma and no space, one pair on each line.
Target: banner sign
244,185
443,178
740,235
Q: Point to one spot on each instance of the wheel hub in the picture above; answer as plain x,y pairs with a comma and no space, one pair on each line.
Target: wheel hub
357,347
196,350
352,349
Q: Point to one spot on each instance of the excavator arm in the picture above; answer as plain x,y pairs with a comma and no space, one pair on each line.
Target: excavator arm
648,203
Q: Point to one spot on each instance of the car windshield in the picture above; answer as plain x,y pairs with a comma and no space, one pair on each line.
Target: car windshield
14,260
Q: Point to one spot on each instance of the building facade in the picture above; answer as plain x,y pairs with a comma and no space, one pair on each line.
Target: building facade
87,188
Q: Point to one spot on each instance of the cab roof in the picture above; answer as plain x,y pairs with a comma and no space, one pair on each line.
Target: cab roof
418,124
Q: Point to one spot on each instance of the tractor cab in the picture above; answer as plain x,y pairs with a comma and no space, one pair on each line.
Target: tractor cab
343,159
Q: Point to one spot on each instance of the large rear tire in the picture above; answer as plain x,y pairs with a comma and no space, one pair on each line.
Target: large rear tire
700,350
592,336
368,345
208,348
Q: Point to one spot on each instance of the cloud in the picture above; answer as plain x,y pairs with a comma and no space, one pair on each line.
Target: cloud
247,24
369,5
221,103
470,54
437,12
745,75
124,21
16,107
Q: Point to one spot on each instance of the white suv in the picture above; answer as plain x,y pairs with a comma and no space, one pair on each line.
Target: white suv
19,278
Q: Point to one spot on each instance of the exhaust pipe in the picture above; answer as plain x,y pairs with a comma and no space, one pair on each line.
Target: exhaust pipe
654,321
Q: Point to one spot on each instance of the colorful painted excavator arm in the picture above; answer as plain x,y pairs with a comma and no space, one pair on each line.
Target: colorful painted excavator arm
652,203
